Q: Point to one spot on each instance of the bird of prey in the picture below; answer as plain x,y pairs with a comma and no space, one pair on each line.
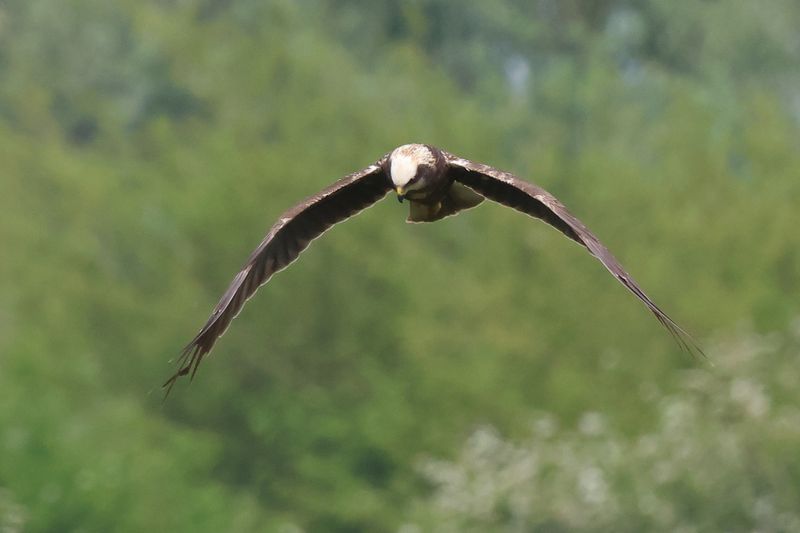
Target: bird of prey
436,184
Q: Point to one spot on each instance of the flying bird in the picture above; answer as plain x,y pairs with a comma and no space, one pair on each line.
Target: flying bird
437,184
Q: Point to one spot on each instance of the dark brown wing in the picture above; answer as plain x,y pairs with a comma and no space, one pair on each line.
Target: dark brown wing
510,190
289,236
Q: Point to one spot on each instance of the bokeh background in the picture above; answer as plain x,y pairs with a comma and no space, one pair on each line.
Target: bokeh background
479,374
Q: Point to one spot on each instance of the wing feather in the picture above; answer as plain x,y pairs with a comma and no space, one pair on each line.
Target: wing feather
288,237
509,190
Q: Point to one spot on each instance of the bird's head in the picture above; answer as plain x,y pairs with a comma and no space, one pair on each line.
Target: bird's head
410,167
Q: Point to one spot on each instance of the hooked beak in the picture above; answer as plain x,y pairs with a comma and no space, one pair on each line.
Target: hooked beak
401,194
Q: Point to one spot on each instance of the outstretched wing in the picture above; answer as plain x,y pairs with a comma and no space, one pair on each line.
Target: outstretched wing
523,196
290,235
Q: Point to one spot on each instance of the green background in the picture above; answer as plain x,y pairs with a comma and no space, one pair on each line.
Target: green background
478,374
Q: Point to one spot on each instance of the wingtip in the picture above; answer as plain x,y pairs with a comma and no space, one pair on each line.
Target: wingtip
170,383
188,362
685,341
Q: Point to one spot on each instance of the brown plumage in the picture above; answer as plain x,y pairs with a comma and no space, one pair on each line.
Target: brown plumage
437,184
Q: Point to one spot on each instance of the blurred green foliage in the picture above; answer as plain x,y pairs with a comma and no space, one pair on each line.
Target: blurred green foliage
146,146
703,466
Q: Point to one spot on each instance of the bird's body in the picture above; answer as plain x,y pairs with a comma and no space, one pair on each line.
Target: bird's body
437,184
420,173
